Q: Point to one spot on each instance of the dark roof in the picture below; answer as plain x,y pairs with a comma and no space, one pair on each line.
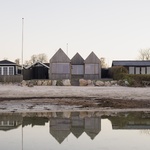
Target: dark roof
131,63
6,62
77,60
60,57
92,58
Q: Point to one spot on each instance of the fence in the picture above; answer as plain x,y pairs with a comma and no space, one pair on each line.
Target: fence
11,78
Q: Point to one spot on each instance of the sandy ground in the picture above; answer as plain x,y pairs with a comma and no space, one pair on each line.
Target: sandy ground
15,98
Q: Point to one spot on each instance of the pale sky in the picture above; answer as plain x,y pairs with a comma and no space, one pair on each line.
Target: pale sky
114,29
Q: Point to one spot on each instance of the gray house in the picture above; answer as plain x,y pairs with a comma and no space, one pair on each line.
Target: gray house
60,66
134,66
92,67
77,69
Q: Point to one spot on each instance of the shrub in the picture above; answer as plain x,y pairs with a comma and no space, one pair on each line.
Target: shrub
136,79
118,72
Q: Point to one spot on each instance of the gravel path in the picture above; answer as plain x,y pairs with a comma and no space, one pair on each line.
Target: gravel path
114,92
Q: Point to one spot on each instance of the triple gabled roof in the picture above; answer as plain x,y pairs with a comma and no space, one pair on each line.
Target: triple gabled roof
60,57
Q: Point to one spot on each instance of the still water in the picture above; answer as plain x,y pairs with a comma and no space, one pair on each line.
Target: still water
75,131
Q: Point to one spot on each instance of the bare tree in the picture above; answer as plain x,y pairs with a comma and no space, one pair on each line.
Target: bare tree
27,63
34,58
144,54
103,62
17,61
42,58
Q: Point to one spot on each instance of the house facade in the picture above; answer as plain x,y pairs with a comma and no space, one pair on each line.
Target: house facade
10,72
134,67
92,67
9,68
60,66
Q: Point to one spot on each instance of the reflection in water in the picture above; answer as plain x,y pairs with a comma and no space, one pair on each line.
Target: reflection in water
75,125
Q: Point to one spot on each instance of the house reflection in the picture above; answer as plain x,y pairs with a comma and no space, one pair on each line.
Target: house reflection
9,122
61,127
62,124
131,120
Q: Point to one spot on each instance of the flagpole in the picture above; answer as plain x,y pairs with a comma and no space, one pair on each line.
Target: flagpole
22,40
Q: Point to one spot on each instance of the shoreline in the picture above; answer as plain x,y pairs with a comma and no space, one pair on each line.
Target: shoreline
15,98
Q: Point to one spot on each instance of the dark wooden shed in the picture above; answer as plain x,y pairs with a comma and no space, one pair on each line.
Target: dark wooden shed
92,67
60,66
37,70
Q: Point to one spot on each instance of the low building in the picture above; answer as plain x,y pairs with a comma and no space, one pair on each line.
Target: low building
134,66
10,72
37,70
9,68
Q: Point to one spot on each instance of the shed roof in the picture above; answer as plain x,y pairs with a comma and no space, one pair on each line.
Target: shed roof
60,57
92,58
6,62
38,62
131,63
77,60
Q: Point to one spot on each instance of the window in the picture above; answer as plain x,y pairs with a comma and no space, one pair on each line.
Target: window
77,69
7,70
143,70
91,69
0,70
60,68
131,70
11,70
148,70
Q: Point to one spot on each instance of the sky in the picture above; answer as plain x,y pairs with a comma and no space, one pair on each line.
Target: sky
113,29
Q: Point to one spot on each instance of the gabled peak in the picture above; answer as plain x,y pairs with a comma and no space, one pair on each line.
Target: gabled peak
77,59
60,57
92,58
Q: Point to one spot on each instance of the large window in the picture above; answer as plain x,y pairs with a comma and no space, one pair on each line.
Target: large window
60,68
91,68
6,70
77,69
131,70
148,70
11,70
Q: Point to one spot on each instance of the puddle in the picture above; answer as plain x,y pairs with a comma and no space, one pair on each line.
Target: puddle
75,130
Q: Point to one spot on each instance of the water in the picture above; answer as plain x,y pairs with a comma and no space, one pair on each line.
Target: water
75,130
